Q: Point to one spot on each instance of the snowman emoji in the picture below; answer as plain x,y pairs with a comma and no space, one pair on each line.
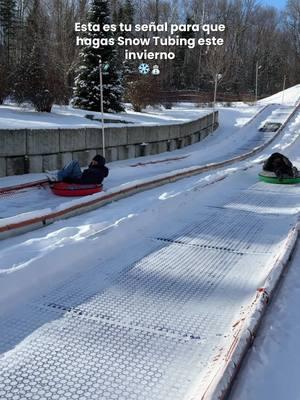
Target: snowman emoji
155,70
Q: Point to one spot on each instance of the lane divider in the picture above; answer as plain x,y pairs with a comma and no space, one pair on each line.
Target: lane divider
246,329
17,225
258,114
27,185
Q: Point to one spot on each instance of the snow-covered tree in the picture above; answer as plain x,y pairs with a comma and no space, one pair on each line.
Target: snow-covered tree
87,82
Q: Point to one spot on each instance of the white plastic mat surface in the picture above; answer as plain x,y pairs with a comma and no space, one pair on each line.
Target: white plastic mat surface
156,328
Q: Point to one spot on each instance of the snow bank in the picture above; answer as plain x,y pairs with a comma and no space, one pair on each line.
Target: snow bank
14,117
271,370
289,97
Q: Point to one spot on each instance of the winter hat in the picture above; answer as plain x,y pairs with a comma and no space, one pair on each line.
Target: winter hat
100,160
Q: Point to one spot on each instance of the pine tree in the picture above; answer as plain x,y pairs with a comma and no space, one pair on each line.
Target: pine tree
130,67
87,82
8,26
128,12
38,79
184,68
4,87
8,30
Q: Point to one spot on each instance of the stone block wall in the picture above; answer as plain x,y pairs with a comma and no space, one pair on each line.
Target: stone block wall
37,150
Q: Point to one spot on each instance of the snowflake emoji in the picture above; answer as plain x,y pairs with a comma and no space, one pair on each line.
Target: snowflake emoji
144,69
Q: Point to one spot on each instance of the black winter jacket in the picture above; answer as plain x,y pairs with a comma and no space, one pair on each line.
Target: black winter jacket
279,164
94,174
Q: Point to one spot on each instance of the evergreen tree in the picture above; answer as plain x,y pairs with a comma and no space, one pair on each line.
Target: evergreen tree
4,87
8,27
183,67
8,30
128,12
38,79
87,82
130,67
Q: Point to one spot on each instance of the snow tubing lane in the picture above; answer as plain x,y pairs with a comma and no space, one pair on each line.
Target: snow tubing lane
279,181
43,182
74,189
15,188
17,228
246,329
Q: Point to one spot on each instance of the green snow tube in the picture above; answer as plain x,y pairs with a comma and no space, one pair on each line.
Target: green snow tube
270,177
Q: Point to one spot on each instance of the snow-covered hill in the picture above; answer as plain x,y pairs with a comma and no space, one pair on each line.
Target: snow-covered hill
289,97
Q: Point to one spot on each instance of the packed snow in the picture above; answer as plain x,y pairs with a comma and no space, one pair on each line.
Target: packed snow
67,269
231,138
288,97
15,117
106,240
88,222
271,369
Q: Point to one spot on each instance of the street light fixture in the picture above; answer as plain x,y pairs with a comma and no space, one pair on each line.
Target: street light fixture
258,67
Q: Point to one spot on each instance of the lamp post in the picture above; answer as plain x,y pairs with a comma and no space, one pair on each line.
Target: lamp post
101,68
217,78
258,67
200,55
283,88
101,106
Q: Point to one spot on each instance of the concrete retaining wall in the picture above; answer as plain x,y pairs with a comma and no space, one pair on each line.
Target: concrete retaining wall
36,150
